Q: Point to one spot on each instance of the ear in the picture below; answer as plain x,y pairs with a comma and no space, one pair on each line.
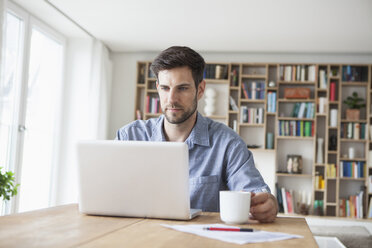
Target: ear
201,88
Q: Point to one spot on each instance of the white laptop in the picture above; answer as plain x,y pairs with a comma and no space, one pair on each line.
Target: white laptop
134,179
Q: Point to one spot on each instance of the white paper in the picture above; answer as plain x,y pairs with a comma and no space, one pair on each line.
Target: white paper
233,237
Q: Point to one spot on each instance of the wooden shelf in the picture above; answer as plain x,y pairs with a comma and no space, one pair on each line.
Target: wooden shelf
353,84
252,100
353,140
293,175
152,91
294,119
140,85
357,121
270,113
352,179
294,137
233,112
282,100
297,82
251,125
332,152
217,81
333,102
353,159
234,88
254,76
331,204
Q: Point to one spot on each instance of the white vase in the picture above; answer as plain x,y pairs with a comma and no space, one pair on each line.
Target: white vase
210,100
319,155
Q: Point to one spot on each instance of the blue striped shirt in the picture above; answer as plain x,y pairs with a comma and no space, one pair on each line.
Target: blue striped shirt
218,158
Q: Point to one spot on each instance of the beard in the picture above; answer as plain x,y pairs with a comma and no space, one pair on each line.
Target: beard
173,118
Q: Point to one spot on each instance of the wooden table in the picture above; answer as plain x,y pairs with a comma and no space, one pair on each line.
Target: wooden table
64,226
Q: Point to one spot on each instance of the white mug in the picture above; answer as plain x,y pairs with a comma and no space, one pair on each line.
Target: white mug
235,206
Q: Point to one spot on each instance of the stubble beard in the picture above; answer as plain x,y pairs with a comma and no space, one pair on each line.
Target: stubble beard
173,119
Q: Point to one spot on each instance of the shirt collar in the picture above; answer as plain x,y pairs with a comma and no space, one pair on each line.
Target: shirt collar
199,134
157,131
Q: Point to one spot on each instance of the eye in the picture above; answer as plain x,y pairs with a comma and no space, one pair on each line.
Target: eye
182,88
164,87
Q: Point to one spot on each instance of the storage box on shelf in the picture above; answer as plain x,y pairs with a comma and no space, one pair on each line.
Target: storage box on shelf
292,109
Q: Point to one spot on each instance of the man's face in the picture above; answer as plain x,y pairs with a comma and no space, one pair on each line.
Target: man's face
178,95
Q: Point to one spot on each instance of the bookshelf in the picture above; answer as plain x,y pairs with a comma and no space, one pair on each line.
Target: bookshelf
253,99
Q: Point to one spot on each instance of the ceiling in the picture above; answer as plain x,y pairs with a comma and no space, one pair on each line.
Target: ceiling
325,26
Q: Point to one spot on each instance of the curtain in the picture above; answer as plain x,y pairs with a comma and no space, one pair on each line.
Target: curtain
100,89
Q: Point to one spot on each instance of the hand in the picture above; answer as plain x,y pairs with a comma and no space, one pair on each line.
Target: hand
264,207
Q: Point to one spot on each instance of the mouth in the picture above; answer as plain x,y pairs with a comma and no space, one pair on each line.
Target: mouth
174,109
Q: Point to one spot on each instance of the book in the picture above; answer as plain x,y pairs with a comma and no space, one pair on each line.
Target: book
233,104
284,195
322,79
370,208
243,114
332,93
245,90
279,198
253,90
356,130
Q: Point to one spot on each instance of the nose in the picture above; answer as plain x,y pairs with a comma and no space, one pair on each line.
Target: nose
172,97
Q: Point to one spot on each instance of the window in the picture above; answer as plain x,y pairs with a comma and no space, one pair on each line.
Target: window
30,96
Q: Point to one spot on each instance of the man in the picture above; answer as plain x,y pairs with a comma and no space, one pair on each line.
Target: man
218,157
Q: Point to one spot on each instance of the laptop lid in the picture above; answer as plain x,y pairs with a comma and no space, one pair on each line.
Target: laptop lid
134,179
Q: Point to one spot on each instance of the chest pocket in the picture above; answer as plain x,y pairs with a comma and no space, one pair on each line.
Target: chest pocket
204,192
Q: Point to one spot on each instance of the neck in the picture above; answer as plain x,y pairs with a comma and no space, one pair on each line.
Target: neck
179,132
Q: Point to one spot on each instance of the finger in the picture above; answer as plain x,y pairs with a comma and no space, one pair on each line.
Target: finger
262,208
259,198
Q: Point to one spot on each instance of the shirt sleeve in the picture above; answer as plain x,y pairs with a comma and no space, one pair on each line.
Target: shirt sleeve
241,172
121,135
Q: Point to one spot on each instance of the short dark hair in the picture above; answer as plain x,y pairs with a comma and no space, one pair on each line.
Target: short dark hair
179,56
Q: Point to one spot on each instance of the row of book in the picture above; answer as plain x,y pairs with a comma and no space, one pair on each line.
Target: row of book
352,169
296,128
152,105
271,102
251,115
355,73
213,71
303,110
253,90
353,130
352,207
297,73
291,201
331,170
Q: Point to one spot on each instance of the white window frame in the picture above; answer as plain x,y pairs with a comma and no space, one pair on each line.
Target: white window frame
31,22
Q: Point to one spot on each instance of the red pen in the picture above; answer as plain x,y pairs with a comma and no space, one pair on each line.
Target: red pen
229,229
